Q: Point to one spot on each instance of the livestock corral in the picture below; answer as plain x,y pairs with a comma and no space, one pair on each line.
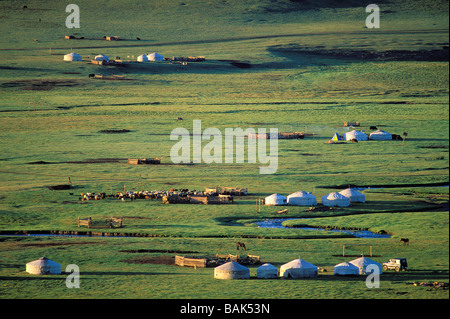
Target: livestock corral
381,95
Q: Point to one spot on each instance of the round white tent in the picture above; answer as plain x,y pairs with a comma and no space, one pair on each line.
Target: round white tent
231,270
335,199
275,200
359,136
362,264
298,268
43,266
346,269
380,135
72,57
142,58
101,57
267,271
353,195
155,57
301,198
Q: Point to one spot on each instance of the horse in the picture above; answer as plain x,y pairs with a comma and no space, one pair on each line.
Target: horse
240,245
405,241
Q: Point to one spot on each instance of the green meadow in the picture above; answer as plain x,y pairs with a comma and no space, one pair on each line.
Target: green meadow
291,65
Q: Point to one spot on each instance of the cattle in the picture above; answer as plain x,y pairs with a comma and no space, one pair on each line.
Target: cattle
373,128
405,241
137,38
240,245
179,118
92,75
354,140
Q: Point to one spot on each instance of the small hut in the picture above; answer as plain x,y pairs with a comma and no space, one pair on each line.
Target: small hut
357,135
353,195
231,270
101,57
380,135
301,198
362,264
275,200
335,199
346,269
142,58
43,266
298,268
267,271
72,57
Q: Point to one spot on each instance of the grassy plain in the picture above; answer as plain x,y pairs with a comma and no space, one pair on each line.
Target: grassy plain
51,111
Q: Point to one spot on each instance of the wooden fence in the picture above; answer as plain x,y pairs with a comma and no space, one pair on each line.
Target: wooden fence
112,222
190,262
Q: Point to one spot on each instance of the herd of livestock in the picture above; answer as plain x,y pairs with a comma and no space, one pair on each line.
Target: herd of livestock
133,195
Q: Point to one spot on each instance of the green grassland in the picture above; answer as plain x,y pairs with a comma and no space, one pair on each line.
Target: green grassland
52,112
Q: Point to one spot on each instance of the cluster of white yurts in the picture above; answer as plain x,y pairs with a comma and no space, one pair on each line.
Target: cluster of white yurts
302,198
297,268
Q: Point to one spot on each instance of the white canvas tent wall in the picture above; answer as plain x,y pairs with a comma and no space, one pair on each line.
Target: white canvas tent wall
359,136
142,58
101,57
380,135
72,57
335,199
301,198
362,264
275,200
298,268
155,57
353,195
43,266
346,269
231,270
267,271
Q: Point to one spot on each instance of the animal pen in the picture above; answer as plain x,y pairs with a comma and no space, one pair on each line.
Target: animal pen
203,262
348,251
112,222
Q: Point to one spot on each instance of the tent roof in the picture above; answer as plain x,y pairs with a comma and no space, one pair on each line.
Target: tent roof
232,266
299,263
346,265
267,266
42,261
336,137
276,195
361,261
350,192
334,196
301,194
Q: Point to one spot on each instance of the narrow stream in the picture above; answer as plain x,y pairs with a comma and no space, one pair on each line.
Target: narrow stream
278,223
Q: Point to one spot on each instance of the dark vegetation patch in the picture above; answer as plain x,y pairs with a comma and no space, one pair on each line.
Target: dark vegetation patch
170,251
60,187
344,186
241,65
435,146
86,161
39,85
158,260
368,55
115,131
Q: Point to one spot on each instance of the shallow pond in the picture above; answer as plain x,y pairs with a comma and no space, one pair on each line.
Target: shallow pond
278,223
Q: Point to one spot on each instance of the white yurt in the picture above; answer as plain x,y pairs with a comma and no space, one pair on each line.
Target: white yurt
298,268
363,262
275,200
142,58
267,271
155,57
353,195
231,270
301,198
43,266
101,57
359,136
335,199
380,135
346,269
72,57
